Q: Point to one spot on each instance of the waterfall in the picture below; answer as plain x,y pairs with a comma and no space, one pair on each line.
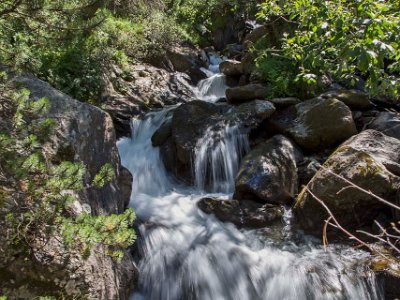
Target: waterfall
214,87
187,254
217,158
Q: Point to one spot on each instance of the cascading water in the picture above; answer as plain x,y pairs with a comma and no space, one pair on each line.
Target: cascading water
186,254
212,88
217,158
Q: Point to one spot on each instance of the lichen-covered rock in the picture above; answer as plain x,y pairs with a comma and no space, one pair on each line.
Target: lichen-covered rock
242,213
315,124
84,134
248,92
352,98
387,123
148,87
269,172
370,160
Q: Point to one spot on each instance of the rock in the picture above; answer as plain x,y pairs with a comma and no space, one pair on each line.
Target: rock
233,50
268,173
387,123
248,63
281,103
352,98
151,87
185,60
84,134
191,121
246,93
163,133
255,35
370,160
315,124
242,213
231,68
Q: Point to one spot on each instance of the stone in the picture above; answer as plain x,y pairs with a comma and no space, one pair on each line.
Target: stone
84,134
370,160
316,124
231,68
191,121
268,174
150,88
248,214
352,98
387,123
162,133
246,93
281,103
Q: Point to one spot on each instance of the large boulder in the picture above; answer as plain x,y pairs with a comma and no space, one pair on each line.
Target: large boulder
84,134
142,88
369,160
231,68
268,173
315,124
191,121
353,98
387,123
248,92
242,213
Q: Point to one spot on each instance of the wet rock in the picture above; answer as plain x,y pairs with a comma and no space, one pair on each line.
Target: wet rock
246,93
231,68
163,133
352,98
370,160
315,124
242,213
191,121
387,123
281,103
268,173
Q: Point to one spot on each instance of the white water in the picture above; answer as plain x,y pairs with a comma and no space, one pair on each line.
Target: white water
214,87
186,254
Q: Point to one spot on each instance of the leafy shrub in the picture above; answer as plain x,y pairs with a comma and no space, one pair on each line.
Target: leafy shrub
346,40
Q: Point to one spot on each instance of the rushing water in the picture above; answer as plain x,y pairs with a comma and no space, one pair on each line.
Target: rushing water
187,254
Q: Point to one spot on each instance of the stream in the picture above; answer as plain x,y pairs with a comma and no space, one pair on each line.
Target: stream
187,254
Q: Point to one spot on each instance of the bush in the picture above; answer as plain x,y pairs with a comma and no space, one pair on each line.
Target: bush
350,41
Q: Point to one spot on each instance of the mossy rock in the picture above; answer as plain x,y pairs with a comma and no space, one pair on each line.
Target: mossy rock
367,160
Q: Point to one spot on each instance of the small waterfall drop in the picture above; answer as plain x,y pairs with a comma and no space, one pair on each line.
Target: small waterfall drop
214,87
217,158
186,254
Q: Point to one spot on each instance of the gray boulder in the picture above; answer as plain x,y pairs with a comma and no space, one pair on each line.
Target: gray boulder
315,124
85,134
352,98
268,173
370,160
240,94
387,123
191,121
231,68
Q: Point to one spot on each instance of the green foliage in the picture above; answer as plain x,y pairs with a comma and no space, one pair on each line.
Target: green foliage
37,197
72,44
199,17
346,40
113,231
